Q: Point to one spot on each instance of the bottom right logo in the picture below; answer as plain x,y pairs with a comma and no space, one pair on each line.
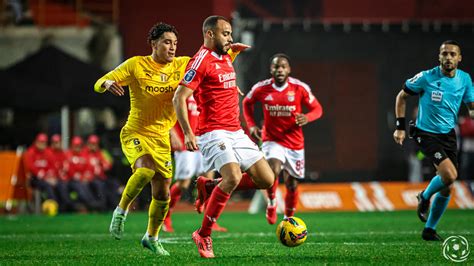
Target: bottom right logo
456,248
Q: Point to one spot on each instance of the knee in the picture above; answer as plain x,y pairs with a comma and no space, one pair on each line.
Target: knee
449,175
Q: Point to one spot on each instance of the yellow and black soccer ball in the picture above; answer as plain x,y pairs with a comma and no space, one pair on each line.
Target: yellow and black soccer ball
292,232
50,207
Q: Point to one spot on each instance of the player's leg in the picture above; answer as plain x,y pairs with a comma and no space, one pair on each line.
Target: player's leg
293,169
440,202
231,175
442,152
271,212
141,176
157,212
176,191
291,197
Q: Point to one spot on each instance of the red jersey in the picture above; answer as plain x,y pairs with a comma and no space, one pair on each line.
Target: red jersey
280,105
59,162
212,77
39,162
193,116
77,166
96,163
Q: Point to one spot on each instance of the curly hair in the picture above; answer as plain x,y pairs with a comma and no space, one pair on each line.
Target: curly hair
158,29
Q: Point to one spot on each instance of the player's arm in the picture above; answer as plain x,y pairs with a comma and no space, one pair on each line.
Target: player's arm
400,109
181,108
471,109
235,49
412,86
113,81
176,144
249,108
315,111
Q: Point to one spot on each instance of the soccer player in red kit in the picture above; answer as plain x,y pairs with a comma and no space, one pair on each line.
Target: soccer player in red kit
225,147
282,98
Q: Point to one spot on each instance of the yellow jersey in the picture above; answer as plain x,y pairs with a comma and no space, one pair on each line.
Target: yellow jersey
152,86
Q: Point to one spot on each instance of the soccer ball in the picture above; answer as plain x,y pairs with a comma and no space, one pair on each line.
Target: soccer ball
292,232
50,207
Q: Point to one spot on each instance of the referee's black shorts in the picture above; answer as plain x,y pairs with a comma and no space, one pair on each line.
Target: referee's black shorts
437,147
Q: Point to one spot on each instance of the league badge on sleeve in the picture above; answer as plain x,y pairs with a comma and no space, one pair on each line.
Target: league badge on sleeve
188,77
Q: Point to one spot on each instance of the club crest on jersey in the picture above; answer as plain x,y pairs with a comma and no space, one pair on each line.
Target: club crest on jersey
221,146
188,77
291,96
436,96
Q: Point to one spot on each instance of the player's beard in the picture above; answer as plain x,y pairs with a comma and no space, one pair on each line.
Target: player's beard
220,49
449,68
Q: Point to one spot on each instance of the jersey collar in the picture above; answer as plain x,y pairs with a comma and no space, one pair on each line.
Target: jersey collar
280,89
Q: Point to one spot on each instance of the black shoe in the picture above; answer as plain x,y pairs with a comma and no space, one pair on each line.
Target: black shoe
423,207
430,235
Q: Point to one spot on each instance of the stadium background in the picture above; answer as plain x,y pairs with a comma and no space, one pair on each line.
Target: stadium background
355,56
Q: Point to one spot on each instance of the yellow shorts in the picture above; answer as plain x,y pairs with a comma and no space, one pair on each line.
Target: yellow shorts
135,145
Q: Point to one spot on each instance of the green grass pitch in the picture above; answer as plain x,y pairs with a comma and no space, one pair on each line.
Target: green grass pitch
334,237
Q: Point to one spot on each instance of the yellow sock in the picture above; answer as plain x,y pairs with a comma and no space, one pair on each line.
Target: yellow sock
135,184
156,214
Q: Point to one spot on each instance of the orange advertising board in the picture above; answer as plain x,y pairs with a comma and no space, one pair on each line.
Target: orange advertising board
370,196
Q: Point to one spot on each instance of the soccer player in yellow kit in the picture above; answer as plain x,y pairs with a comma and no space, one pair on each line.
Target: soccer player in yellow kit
152,81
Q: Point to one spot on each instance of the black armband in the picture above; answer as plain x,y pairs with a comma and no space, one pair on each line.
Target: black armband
400,123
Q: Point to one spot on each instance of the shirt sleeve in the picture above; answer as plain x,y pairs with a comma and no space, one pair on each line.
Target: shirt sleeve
195,72
232,54
313,105
416,84
123,74
468,96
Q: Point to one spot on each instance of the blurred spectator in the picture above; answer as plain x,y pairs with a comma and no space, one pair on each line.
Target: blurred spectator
466,128
79,174
103,188
60,166
40,167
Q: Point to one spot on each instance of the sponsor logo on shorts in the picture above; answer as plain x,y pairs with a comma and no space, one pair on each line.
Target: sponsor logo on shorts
222,146
438,155
168,164
188,77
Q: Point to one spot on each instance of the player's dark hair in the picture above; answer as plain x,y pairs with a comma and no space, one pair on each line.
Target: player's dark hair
210,23
280,55
452,42
158,29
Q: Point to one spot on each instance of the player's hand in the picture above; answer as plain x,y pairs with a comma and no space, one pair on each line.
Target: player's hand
176,144
190,142
239,47
114,88
256,133
301,119
239,91
399,136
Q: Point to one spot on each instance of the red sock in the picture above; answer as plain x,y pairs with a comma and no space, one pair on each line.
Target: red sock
215,206
175,196
272,190
291,199
246,183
